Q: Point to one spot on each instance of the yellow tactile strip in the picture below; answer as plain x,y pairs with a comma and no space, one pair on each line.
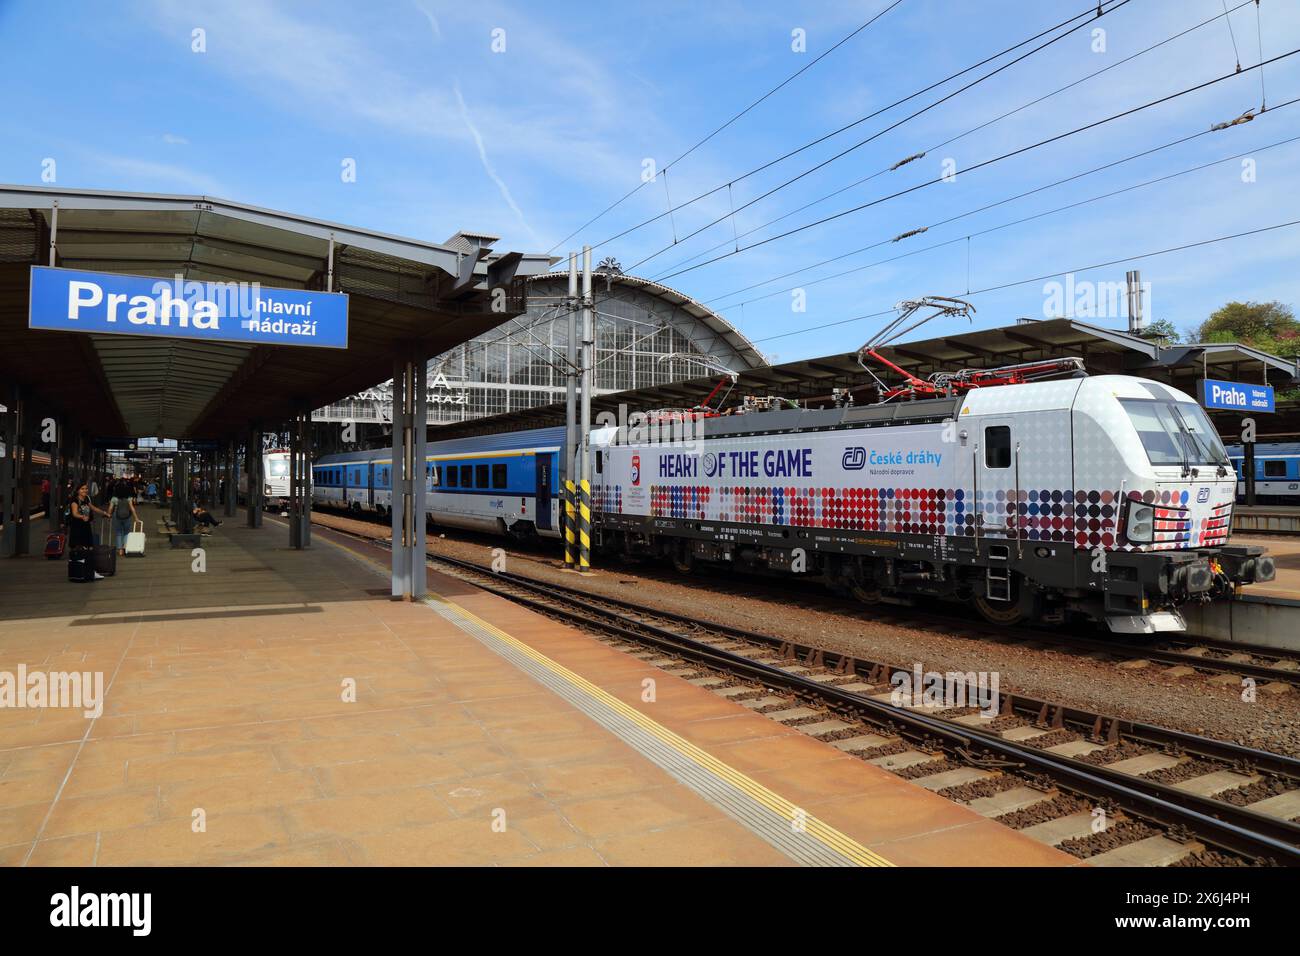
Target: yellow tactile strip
801,836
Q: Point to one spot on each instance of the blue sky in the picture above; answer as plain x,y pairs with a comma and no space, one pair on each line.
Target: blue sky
530,142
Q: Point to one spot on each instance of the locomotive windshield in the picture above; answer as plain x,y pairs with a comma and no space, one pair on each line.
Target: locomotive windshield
277,467
1175,433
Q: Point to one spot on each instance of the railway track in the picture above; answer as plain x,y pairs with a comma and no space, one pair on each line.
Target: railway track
1032,754
1208,657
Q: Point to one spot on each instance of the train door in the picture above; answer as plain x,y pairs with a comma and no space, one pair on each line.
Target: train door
996,503
370,486
543,504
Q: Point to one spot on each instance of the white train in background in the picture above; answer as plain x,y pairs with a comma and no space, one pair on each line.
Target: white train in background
275,478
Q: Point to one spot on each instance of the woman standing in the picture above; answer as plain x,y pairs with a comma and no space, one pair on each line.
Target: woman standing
81,515
124,514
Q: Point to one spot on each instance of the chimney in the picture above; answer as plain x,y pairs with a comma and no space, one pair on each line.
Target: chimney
1136,321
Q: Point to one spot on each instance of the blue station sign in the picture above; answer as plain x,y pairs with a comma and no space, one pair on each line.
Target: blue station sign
66,300
1237,396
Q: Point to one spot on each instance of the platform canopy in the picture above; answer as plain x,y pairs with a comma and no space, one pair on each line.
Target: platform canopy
1104,351
407,299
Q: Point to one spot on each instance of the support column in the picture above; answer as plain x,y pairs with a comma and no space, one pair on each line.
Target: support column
300,469
568,514
401,577
1248,471
54,515
584,446
253,469
409,479
9,475
23,518
232,478
181,503
295,486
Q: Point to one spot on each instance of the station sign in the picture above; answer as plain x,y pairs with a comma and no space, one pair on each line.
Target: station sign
1236,396
114,444
196,444
68,300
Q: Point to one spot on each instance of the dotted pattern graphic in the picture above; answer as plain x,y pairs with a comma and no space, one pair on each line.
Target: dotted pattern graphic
1075,459
607,498
1088,519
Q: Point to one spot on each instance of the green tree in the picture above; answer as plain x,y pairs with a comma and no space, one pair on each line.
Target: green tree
1270,326
1163,331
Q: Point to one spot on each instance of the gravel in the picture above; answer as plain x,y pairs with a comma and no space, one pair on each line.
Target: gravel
807,613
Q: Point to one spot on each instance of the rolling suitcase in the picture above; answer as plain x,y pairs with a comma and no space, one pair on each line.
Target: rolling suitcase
104,556
104,560
55,542
81,565
135,541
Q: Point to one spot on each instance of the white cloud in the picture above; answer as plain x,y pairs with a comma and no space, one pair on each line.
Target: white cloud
487,165
433,21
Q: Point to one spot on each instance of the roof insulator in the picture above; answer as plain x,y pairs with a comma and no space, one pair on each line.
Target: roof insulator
904,162
1245,117
910,233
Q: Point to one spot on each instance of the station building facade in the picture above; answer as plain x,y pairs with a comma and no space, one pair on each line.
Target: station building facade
646,335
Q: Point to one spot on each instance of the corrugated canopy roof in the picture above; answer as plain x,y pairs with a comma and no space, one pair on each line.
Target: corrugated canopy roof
1103,351
405,295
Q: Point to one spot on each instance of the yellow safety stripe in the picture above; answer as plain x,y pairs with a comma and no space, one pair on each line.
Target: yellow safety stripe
823,832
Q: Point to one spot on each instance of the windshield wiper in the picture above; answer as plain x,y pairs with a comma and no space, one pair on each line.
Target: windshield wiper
1187,442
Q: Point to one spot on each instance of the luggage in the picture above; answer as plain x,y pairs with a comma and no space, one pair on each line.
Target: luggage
55,542
135,541
81,566
104,559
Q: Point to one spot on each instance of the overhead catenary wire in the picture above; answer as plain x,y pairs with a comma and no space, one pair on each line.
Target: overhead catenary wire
1050,275
793,76
984,208
1015,222
1092,12
983,164
874,136
952,139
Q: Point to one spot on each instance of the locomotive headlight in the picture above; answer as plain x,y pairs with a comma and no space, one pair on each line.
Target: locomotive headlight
1141,523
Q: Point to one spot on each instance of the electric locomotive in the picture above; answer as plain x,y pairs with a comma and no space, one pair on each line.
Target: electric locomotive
1107,497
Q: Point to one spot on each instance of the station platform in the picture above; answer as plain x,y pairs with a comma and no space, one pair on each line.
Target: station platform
479,733
1286,554
1266,519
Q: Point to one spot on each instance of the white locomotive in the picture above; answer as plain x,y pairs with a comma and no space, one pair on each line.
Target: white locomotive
1108,497
275,478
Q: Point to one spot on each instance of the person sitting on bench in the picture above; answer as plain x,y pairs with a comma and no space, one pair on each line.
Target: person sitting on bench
203,517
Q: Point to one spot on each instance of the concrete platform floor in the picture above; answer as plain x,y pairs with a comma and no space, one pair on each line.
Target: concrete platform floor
225,737
1286,552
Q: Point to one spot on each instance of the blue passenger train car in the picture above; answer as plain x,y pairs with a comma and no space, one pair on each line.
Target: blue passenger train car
506,483
1277,473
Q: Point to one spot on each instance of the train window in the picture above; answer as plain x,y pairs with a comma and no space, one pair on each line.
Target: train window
1275,468
997,446
498,476
467,476
451,476
600,462
481,476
